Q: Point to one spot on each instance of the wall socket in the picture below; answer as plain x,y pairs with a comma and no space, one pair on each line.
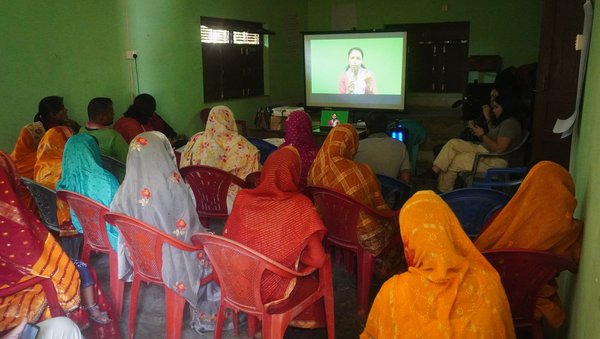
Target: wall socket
130,54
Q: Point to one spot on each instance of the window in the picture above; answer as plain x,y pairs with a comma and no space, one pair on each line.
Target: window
232,58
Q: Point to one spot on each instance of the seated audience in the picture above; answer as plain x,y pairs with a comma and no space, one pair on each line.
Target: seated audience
101,115
27,251
449,290
540,217
82,173
458,155
298,133
277,220
221,146
51,113
140,117
154,192
48,169
384,154
334,168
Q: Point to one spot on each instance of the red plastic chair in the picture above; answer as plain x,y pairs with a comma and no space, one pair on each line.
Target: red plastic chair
145,244
240,270
340,214
523,273
210,186
90,214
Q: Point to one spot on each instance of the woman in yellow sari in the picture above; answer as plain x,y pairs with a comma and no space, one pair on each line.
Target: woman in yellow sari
51,113
48,170
221,146
27,251
540,217
449,291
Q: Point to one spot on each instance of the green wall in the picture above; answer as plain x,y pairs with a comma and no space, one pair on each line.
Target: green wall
585,305
67,48
509,28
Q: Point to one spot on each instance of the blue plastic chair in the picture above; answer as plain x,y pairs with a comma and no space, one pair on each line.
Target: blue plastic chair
506,180
417,135
395,192
474,206
265,148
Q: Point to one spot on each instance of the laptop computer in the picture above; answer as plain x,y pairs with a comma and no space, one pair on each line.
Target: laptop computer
331,118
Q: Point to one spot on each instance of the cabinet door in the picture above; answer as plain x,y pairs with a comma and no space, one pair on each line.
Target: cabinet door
556,86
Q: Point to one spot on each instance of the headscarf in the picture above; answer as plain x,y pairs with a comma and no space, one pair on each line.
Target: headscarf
27,250
82,172
540,217
298,133
12,174
154,192
24,153
48,170
449,291
48,167
275,218
221,146
334,168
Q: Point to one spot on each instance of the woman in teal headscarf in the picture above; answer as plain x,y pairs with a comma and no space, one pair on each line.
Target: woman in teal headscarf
82,172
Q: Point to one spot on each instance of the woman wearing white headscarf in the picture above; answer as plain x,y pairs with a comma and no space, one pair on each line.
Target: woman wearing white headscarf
154,192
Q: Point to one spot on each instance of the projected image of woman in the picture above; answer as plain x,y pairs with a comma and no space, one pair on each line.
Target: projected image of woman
357,79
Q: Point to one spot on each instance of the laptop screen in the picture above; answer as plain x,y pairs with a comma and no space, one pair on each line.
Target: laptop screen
332,118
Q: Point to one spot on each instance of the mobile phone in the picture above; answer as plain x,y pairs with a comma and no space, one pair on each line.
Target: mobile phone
30,331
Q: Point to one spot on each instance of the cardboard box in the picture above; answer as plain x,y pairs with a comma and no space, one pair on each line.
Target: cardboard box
284,111
277,122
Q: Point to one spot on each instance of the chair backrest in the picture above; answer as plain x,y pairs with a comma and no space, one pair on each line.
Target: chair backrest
473,206
394,191
145,244
265,148
45,199
240,270
90,214
523,273
114,166
210,186
417,135
340,214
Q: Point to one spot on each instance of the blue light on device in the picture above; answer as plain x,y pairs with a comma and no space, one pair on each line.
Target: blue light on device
399,132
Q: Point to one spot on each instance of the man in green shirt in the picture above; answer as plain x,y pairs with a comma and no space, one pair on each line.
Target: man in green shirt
100,116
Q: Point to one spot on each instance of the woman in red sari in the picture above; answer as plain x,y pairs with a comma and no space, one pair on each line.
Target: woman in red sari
298,133
277,220
27,251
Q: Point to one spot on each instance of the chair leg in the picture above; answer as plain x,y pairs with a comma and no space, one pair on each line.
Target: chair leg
327,284
117,286
135,290
274,326
174,308
220,320
365,271
252,325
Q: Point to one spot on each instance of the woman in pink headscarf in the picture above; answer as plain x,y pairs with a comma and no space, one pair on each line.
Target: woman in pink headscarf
298,133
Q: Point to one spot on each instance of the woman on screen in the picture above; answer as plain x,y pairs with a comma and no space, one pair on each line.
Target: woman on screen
356,79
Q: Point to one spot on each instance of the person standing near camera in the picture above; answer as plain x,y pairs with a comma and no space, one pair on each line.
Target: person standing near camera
458,155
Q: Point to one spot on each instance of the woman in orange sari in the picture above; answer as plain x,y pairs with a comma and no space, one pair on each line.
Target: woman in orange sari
277,220
449,291
334,168
540,217
48,170
51,113
27,251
